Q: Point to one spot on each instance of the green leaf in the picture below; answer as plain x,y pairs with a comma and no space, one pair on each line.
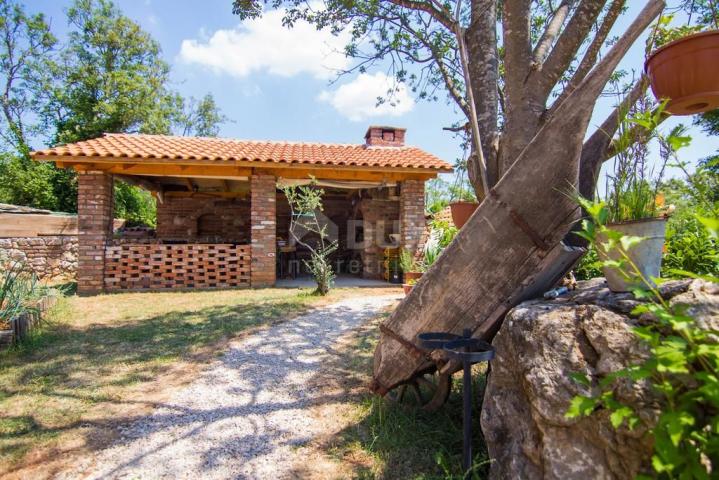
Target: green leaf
711,224
581,407
617,417
580,378
629,241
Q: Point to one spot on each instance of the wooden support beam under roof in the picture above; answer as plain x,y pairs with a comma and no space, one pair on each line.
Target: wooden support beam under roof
242,171
145,183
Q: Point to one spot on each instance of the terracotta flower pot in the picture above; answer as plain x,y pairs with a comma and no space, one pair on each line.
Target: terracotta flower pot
412,276
407,288
461,211
646,255
686,71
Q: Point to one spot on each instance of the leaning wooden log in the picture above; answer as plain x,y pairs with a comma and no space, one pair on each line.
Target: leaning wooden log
509,240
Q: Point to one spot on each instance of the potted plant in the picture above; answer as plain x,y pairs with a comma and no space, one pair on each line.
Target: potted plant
410,267
635,212
685,69
407,287
465,203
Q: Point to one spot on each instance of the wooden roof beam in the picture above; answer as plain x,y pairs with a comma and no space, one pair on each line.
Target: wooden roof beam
145,183
231,172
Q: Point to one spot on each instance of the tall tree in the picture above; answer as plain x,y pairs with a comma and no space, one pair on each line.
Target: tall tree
532,90
199,118
110,77
26,44
523,60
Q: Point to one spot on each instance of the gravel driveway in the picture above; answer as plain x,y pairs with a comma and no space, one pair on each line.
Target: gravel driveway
244,416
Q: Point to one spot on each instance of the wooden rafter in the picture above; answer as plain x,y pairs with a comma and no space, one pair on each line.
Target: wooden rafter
233,172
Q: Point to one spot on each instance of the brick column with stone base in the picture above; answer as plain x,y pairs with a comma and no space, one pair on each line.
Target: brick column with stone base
94,224
411,214
263,224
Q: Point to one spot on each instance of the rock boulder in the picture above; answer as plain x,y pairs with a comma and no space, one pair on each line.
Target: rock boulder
530,388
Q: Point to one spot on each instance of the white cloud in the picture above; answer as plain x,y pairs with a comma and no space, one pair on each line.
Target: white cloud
264,44
357,100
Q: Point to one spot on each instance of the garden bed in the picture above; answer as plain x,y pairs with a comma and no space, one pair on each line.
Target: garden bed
15,330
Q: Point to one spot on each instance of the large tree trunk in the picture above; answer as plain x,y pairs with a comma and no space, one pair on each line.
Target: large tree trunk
481,40
522,220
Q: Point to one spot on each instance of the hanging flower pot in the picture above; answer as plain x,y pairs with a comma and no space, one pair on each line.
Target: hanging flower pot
461,211
686,71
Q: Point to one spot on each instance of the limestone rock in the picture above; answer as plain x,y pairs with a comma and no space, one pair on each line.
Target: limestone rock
529,389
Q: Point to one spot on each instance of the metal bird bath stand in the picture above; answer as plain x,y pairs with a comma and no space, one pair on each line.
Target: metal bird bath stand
468,351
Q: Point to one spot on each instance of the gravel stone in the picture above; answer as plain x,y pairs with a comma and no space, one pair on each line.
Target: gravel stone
243,417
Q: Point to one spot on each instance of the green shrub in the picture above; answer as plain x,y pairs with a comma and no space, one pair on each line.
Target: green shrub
18,287
690,248
588,266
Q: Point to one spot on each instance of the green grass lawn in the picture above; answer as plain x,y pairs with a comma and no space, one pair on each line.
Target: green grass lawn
102,360
388,441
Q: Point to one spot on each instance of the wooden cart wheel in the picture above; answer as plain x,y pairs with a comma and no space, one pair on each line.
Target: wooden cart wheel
427,391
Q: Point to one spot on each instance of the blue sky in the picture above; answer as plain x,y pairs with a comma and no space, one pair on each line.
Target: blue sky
275,84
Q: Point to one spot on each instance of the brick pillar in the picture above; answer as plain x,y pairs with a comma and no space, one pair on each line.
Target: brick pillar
263,223
94,224
411,213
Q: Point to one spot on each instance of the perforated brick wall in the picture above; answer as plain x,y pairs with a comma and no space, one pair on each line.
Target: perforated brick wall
155,267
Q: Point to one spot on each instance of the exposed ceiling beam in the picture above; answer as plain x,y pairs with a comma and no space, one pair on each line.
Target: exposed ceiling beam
236,173
142,182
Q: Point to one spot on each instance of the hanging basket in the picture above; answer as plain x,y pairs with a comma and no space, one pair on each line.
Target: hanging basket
686,71
461,211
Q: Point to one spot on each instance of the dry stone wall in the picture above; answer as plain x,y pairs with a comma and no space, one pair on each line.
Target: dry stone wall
51,257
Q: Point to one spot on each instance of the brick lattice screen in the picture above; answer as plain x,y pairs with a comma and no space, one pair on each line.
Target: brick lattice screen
136,267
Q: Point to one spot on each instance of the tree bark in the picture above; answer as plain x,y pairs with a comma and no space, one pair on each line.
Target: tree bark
481,41
524,217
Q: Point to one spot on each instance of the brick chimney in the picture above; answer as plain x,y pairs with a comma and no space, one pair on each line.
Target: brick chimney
384,136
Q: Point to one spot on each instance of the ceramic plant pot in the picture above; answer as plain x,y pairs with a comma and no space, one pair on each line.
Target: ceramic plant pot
686,71
646,255
407,288
461,211
412,276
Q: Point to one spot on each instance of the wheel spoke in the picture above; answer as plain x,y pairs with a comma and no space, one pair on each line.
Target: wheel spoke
417,394
400,393
429,391
427,383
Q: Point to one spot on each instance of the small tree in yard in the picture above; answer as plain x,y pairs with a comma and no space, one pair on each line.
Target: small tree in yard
305,204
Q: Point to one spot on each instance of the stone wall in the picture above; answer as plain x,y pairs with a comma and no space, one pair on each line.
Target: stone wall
204,219
49,257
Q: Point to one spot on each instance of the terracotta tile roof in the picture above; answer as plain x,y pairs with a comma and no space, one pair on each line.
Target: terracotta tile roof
169,149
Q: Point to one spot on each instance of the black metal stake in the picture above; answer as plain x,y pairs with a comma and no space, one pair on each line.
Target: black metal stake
467,413
469,351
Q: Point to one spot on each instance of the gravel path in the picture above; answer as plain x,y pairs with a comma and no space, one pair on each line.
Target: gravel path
243,417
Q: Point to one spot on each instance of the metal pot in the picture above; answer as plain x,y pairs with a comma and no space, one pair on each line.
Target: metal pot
647,255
